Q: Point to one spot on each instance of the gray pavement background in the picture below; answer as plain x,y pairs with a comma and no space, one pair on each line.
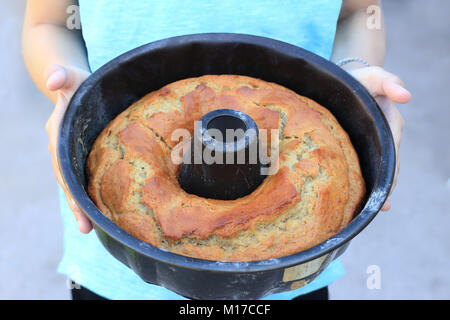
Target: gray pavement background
410,244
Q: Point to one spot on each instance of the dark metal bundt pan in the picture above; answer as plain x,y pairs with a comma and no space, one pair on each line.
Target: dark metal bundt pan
119,83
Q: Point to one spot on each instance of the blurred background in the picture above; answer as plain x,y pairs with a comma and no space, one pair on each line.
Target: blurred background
409,245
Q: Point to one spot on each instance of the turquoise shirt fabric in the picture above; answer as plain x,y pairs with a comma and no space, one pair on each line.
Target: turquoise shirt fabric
112,27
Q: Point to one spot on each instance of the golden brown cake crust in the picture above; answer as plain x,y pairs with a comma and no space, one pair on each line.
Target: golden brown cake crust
314,194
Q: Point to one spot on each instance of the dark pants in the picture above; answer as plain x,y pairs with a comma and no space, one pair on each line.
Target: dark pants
85,294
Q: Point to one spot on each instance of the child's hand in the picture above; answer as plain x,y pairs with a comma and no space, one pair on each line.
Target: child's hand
64,80
386,88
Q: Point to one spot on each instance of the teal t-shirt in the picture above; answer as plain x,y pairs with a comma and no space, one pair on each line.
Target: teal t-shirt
112,27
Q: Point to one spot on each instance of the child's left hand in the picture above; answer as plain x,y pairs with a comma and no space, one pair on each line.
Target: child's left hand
386,88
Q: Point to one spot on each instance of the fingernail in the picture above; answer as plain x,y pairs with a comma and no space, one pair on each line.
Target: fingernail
401,88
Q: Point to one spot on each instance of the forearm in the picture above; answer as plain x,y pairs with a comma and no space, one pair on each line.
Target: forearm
44,44
355,39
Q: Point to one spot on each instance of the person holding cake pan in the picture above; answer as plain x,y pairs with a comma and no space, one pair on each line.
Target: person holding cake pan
59,58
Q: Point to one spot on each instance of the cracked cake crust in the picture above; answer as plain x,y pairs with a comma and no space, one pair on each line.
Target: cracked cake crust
315,193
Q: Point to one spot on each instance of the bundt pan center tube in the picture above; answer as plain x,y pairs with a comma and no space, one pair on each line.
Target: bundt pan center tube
127,78
234,169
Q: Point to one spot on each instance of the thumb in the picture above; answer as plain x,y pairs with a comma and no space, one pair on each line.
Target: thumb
379,82
64,78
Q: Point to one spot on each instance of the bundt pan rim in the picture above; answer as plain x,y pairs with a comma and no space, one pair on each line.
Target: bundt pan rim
276,51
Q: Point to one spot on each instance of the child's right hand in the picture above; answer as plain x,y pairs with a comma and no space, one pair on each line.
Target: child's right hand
65,81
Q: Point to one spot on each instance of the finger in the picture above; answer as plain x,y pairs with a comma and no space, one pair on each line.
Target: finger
386,206
396,125
66,79
396,92
56,77
58,113
84,225
379,82
70,202
393,116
